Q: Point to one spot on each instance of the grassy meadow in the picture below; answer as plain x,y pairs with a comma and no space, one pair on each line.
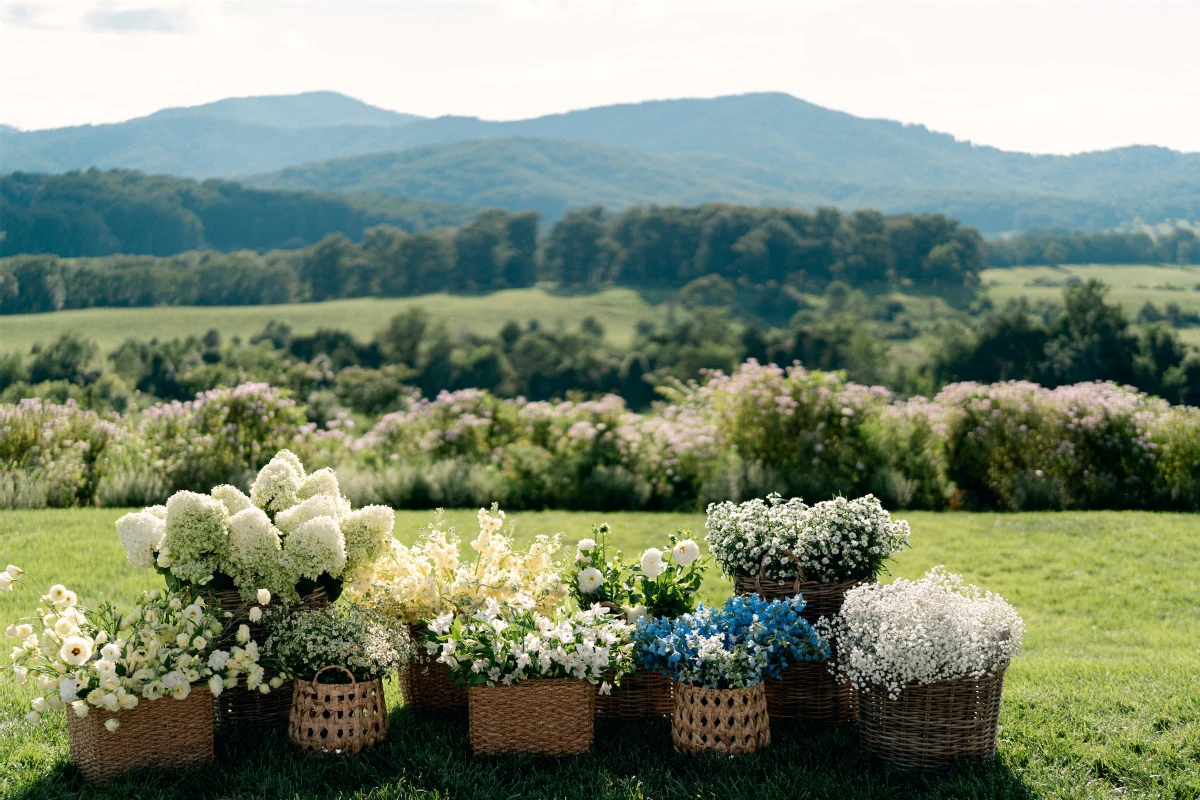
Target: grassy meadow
1104,703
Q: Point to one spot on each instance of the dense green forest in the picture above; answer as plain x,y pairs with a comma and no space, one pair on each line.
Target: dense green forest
767,250
97,213
1179,245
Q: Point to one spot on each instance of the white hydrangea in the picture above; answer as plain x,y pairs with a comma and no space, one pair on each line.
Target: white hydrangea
316,546
323,481
159,511
924,631
256,555
196,536
141,533
234,499
278,482
321,505
367,533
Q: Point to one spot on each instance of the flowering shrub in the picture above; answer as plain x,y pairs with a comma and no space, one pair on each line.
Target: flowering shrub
429,579
517,643
101,659
734,647
294,532
933,629
350,636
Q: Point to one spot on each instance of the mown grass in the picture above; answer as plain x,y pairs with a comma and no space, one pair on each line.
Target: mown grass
1133,285
1105,702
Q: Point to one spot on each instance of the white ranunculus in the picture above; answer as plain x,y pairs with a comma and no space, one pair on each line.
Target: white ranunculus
80,708
76,650
652,563
33,718
67,689
685,552
590,580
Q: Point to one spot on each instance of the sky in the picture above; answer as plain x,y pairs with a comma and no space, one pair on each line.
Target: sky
1043,77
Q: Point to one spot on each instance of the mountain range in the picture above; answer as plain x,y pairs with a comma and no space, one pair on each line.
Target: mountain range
766,148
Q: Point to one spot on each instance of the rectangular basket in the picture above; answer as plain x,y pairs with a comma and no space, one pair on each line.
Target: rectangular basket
548,716
425,682
162,733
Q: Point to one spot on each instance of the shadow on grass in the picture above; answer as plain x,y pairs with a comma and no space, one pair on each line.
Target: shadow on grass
427,756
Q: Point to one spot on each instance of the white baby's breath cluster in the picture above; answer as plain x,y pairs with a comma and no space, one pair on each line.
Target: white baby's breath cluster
411,584
832,541
510,644
105,660
923,631
293,526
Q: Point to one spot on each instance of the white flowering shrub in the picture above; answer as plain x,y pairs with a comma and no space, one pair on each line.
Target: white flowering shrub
515,643
923,631
99,658
293,532
413,584
345,635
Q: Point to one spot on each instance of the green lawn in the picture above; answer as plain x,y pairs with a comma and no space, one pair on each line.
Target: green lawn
1105,702
1132,285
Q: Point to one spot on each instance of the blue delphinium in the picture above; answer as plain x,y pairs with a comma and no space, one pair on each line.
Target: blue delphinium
733,647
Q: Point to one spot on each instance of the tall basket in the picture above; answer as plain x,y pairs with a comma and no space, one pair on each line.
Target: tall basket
337,718
931,726
730,721
425,682
243,707
806,691
642,695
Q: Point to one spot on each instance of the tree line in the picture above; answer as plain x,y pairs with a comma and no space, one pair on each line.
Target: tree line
1180,245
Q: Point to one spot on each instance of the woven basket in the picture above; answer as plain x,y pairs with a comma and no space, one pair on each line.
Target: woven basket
241,706
548,716
425,683
160,733
931,726
732,721
806,690
339,718
641,695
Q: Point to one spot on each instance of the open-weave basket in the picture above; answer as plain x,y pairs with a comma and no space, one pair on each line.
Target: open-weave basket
806,690
340,718
730,721
549,716
161,733
641,695
931,726
238,705
425,683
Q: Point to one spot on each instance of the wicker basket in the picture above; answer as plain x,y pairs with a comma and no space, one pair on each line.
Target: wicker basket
241,706
641,695
806,690
425,683
340,718
932,726
732,721
548,716
160,733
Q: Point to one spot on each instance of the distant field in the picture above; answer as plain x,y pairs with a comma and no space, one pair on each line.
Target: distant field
1132,285
618,310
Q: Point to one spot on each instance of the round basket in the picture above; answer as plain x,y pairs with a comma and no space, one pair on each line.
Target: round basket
548,716
641,695
162,733
732,721
337,718
806,690
425,682
244,707
934,725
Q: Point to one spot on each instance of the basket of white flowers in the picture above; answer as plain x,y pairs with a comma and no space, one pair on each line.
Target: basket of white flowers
337,657
928,661
659,585
531,678
411,585
780,549
137,688
293,541
718,659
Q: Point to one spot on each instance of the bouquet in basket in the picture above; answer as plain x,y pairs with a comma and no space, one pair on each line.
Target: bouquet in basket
833,541
515,643
292,534
733,647
303,642
102,659
924,631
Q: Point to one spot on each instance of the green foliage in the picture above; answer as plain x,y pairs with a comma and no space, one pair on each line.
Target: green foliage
1180,245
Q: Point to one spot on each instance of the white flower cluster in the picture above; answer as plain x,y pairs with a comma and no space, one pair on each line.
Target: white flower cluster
836,540
350,636
516,643
104,660
293,526
411,584
933,629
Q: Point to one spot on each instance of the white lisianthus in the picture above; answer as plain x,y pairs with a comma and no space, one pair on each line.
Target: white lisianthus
12,571
255,614
33,718
112,725
6,582
243,634
685,552
263,596
68,688
76,650
652,563
39,705
80,708
590,580
216,685
110,651
57,594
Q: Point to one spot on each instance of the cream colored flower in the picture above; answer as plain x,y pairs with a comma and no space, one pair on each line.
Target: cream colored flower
255,614
685,552
590,580
264,597
652,563
76,650
112,725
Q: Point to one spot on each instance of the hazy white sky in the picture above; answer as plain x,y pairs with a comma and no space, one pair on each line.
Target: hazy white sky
1051,77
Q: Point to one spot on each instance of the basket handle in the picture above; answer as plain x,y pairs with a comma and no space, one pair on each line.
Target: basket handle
762,573
332,666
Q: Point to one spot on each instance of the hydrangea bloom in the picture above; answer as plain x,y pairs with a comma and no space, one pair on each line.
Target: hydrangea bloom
141,533
196,540
277,483
316,546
